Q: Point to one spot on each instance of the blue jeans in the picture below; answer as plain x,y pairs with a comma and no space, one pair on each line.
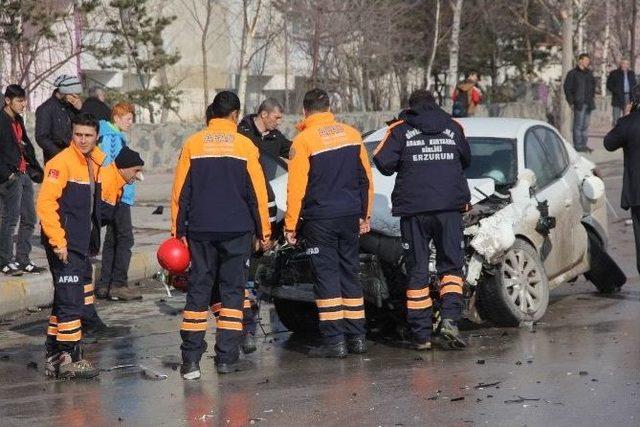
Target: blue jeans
581,118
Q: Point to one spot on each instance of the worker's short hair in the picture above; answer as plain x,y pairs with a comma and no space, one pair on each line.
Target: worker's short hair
468,73
270,105
86,119
421,97
122,109
223,104
583,55
316,100
14,91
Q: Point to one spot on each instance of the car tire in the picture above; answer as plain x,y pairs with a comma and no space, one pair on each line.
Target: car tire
605,273
297,316
504,300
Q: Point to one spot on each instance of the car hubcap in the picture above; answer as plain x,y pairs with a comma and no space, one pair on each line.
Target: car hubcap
521,278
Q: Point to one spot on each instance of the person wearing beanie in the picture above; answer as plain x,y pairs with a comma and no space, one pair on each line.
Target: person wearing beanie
626,135
116,252
53,117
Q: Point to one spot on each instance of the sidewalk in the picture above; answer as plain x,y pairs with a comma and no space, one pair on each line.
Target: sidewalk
30,291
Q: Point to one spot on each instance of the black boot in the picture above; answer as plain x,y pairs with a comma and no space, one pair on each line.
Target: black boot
357,345
450,335
237,366
338,350
249,343
190,370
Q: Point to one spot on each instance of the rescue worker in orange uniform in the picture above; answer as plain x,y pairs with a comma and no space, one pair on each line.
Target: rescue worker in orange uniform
329,200
77,195
219,202
429,152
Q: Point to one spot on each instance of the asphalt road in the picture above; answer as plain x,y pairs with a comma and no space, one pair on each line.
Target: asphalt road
579,366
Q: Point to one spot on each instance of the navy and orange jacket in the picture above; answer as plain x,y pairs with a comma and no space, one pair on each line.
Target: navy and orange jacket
429,152
219,185
329,172
64,201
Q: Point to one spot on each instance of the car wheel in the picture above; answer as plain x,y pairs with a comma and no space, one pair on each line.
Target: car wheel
519,290
605,273
297,316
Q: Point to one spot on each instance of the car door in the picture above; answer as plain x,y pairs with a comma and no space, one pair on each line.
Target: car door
557,146
549,168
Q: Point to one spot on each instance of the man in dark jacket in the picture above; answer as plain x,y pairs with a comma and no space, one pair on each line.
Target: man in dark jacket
53,117
96,105
429,152
262,129
18,170
626,135
619,83
580,89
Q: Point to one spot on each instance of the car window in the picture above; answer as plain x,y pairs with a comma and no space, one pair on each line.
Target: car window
537,159
554,149
493,158
272,167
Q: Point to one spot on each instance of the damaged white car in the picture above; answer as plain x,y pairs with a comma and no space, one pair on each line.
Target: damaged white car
539,220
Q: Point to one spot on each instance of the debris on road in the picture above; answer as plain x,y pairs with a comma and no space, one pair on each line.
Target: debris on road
482,386
521,399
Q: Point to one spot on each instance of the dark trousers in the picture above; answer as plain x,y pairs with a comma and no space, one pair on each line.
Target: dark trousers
9,215
635,217
249,309
222,261
581,119
445,230
72,301
332,246
116,251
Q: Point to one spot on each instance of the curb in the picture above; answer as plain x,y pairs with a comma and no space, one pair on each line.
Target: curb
19,294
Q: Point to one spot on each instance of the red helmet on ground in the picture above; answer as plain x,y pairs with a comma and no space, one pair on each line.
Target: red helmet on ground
174,256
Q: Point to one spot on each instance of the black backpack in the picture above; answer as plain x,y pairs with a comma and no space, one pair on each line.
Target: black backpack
461,105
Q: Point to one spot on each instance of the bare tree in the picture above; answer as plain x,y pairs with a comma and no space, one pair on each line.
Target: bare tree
454,46
566,15
201,12
434,46
605,46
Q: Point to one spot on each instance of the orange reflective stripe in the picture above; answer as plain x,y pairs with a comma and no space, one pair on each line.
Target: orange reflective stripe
329,302
451,280
194,327
69,326
89,300
88,288
350,314
352,302
233,326
76,336
53,320
418,293
417,305
247,304
331,315
230,312
216,307
195,315
451,289
52,330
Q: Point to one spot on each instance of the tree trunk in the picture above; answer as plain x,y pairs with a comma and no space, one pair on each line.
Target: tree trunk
434,47
581,30
454,46
567,63
286,59
203,47
605,46
632,42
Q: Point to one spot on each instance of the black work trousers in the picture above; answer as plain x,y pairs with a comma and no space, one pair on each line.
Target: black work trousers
222,261
635,217
446,231
116,251
332,246
73,301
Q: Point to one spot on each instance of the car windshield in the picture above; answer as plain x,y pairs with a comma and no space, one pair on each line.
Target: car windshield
490,158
